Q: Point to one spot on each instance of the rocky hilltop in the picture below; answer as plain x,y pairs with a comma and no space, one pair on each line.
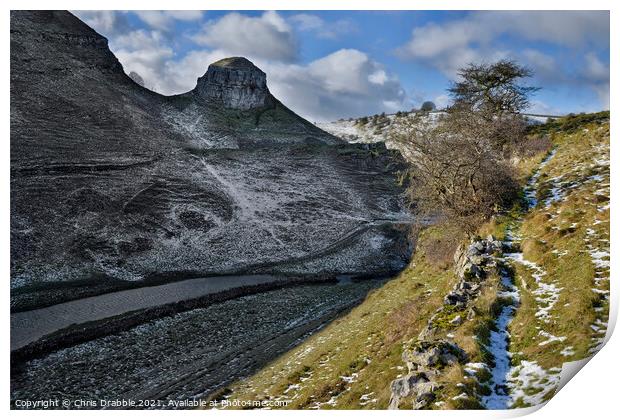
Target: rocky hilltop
235,83
113,185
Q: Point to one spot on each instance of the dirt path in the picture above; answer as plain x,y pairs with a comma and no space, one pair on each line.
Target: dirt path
29,326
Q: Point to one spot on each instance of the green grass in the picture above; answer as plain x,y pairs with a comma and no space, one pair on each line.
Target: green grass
570,123
555,239
369,342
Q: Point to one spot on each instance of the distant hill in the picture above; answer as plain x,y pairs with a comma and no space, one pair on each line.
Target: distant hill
377,128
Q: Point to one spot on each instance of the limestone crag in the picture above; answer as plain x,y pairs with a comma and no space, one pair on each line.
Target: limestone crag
425,360
236,83
136,78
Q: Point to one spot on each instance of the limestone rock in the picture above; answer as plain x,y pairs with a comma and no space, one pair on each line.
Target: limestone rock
433,354
469,261
417,385
136,78
236,83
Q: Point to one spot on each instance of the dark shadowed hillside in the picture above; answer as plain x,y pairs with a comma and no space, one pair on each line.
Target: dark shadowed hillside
113,185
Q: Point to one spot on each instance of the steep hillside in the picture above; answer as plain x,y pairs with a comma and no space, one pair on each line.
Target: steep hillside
489,328
371,129
114,186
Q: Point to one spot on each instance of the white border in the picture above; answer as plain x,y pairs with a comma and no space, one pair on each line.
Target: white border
592,394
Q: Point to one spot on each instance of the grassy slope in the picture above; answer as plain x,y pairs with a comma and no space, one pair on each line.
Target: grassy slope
570,220
558,236
351,363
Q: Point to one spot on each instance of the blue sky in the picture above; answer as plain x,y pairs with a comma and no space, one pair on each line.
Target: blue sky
327,65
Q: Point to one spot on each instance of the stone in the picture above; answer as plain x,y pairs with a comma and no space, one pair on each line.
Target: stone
425,394
403,387
471,314
433,354
477,248
455,299
497,245
477,260
416,385
464,285
136,78
236,83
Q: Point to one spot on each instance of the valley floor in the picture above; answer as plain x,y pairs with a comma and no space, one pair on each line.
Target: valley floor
190,354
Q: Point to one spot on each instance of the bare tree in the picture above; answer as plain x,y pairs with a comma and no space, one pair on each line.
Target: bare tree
455,172
492,89
459,167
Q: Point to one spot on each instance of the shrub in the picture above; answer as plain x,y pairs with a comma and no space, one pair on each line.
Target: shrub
428,106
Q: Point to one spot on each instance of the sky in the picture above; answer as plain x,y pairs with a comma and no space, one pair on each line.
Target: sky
327,65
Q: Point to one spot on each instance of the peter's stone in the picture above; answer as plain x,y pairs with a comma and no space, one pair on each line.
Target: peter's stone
236,83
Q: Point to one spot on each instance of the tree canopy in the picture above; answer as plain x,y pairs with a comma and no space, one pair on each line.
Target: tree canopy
492,89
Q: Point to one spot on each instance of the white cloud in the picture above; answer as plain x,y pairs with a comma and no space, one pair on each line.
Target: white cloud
342,84
540,107
602,90
103,21
434,40
543,65
114,21
451,45
596,74
307,22
323,29
163,20
379,77
595,69
146,53
186,15
268,36
480,29
442,101
564,27
344,71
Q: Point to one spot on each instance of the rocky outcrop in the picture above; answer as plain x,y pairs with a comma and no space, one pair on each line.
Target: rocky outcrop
136,78
114,186
431,352
424,360
415,384
472,264
236,83
470,261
